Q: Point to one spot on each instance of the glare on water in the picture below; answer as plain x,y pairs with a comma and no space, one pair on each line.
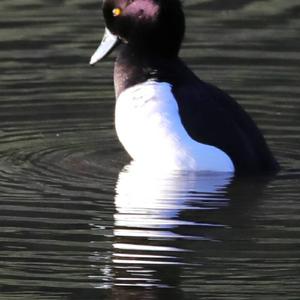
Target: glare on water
78,221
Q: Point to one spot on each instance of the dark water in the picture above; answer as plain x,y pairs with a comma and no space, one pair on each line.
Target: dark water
76,224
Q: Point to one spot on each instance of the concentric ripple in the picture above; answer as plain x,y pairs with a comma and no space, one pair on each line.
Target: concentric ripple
76,224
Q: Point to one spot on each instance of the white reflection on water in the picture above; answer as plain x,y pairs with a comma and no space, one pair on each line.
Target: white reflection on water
151,219
154,200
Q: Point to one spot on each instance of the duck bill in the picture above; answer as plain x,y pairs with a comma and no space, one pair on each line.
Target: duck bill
108,43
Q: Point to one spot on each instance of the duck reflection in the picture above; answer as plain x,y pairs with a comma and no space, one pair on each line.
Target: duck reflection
157,217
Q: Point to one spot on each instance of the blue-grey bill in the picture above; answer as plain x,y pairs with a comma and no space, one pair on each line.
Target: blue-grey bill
107,44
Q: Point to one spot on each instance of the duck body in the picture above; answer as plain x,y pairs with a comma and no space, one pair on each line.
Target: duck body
166,117
154,135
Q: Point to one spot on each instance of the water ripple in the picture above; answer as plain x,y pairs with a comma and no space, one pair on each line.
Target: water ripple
76,225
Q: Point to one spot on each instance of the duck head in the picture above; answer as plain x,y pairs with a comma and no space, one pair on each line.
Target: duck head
155,26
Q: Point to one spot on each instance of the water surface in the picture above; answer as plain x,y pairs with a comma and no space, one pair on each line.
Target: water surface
78,222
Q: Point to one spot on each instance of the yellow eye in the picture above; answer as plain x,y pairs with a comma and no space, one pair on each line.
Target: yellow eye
117,12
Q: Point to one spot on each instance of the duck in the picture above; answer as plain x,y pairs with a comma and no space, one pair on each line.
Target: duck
166,117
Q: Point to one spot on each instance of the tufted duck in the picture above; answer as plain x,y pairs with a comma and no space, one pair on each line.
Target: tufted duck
166,117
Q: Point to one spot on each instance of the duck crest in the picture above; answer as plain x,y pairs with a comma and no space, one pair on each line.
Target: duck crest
164,112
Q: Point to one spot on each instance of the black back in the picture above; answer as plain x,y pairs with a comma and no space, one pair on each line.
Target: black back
211,116
208,114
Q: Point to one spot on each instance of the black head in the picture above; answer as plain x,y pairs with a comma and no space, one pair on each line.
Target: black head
155,26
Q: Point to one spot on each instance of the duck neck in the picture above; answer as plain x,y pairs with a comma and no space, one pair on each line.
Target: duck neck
134,66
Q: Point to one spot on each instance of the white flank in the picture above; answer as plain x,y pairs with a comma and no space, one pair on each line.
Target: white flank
149,127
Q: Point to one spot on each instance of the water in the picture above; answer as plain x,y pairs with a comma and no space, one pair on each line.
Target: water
76,223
